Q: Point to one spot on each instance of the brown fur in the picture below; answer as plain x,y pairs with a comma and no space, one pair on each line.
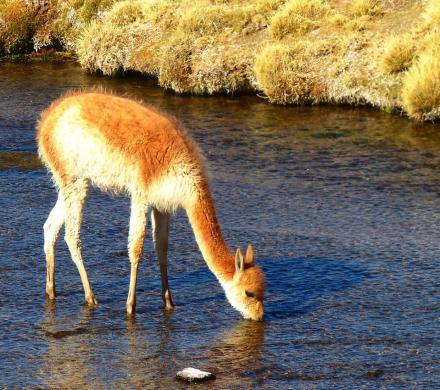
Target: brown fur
154,146
142,133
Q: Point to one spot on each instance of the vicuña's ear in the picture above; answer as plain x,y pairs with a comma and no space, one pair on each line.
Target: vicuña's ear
239,261
249,255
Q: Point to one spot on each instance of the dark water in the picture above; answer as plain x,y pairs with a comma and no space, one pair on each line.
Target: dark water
342,206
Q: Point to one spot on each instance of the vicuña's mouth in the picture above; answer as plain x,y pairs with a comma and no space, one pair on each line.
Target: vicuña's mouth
249,317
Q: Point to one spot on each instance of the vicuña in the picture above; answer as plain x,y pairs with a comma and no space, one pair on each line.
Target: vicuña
123,146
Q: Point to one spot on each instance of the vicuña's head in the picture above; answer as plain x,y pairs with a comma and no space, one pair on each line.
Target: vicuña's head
245,291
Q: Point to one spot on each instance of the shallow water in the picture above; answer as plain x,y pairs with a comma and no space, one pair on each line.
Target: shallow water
342,206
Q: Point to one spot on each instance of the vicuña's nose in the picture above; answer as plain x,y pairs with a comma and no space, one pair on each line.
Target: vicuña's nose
259,313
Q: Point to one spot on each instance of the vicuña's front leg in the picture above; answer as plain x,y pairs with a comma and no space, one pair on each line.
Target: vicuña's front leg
136,236
160,239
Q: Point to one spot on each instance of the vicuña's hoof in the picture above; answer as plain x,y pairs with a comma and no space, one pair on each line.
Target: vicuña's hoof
168,302
91,301
51,294
131,310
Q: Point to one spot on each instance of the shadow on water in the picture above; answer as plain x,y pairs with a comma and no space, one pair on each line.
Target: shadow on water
293,293
19,161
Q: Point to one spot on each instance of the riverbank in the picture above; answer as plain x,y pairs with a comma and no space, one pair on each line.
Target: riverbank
364,52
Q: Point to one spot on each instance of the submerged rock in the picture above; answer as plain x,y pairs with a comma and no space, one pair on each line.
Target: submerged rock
193,375
374,373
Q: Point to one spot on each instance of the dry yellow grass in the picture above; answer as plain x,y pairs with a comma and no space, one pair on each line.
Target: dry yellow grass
371,52
366,7
125,12
175,65
298,17
215,19
421,85
103,48
431,15
202,66
130,36
292,74
16,26
398,54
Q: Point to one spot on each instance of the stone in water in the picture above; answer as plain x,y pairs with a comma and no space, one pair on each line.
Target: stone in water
193,375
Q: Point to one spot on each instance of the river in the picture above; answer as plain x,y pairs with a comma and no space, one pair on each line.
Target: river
341,204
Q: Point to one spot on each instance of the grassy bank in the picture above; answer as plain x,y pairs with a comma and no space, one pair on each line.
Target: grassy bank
384,53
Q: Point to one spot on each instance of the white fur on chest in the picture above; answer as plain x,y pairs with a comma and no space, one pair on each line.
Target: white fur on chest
173,190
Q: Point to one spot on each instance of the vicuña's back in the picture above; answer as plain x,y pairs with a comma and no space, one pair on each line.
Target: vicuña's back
120,145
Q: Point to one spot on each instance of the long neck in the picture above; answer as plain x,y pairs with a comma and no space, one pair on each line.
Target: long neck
215,251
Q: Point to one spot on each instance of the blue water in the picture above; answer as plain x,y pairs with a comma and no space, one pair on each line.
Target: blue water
342,207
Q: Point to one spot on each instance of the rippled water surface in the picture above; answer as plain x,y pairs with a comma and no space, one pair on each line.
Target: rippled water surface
342,206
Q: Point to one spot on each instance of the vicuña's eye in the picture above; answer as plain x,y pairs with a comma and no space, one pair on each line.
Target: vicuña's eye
250,294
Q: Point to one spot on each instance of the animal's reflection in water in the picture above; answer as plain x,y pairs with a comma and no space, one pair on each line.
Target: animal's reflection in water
142,359
237,354
68,361
231,354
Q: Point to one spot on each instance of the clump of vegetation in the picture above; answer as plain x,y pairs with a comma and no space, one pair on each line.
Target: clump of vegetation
202,66
298,17
215,19
130,36
189,49
33,25
380,53
431,15
176,65
102,48
366,7
398,54
89,9
421,85
16,26
291,74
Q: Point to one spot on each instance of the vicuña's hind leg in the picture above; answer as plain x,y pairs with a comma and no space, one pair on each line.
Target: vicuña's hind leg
52,228
136,236
160,222
74,195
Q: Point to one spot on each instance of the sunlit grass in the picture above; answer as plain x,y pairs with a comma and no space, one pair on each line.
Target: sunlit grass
431,15
288,51
298,17
421,85
214,19
398,54
16,26
365,7
288,74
